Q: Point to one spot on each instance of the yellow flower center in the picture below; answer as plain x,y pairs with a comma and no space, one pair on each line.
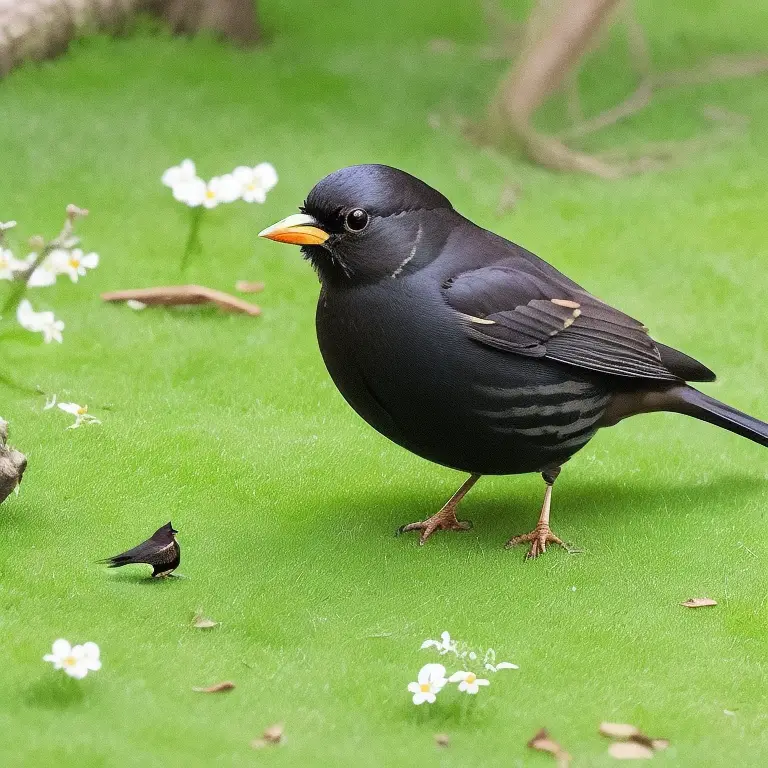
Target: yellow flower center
471,678
69,661
424,687
82,410
74,262
210,194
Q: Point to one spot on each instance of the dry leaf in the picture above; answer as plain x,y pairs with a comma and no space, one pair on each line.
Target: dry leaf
543,742
249,286
218,687
201,622
699,602
630,750
271,735
442,739
618,730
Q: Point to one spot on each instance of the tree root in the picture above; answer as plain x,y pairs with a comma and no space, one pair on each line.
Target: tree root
177,295
558,36
12,464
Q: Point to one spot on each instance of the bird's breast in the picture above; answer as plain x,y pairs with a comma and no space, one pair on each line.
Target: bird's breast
401,358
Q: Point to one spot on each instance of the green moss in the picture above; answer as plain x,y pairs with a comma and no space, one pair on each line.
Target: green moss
287,502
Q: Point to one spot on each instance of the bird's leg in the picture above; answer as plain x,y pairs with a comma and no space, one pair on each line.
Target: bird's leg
541,535
445,519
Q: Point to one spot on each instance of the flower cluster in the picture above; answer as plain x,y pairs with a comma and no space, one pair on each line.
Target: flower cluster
248,184
76,661
41,268
432,677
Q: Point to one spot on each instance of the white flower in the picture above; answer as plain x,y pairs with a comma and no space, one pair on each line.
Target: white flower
182,173
501,665
221,189
10,265
430,681
256,182
39,322
77,662
135,305
468,682
6,225
191,192
49,402
77,263
80,412
46,272
444,644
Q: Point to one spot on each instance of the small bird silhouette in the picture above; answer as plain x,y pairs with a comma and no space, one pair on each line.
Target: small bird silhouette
469,350
160,550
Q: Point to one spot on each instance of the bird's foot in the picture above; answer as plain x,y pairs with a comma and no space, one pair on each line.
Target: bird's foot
539,537
444,520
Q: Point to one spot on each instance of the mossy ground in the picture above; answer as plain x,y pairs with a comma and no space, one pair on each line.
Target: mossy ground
287,502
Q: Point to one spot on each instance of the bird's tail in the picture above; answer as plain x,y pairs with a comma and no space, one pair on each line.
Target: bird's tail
706,408
114,562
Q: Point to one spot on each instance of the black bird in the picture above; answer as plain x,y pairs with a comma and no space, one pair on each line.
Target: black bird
467,349
160,550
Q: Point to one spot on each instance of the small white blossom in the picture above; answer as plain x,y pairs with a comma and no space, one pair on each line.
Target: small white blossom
221,189
76,661
191,192
40,322
136,305
256,182
50,267
9,265
6,225
80,412
468,682
179,174
444,644
49,402
77,263
430,681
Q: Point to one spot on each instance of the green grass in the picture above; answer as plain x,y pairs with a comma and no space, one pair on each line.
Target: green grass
287,502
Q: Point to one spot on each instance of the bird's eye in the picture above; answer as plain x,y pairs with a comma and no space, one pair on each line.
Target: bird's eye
356,220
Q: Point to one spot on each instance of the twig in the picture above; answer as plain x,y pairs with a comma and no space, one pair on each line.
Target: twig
174,295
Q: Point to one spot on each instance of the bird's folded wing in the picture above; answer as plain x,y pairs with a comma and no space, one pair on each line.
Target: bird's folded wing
527,312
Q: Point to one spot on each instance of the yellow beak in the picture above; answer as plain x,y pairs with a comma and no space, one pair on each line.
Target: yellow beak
298,229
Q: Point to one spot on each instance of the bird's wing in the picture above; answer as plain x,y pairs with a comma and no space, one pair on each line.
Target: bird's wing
138,554
521,308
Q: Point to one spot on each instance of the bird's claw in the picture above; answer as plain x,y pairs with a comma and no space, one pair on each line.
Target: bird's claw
438,522
539,537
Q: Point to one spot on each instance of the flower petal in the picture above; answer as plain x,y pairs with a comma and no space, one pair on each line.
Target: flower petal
414,688
431,673
78,671
457,677
72,408
505,665
61,647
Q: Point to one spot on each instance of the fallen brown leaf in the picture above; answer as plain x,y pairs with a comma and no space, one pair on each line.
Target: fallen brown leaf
217,688
630,750
699,602
249,286
271,735
618,730
543,742
442,739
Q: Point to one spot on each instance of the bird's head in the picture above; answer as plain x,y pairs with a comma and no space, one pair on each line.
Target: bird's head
365,223
167,532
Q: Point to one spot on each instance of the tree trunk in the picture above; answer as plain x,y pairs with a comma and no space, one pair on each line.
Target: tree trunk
40,29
